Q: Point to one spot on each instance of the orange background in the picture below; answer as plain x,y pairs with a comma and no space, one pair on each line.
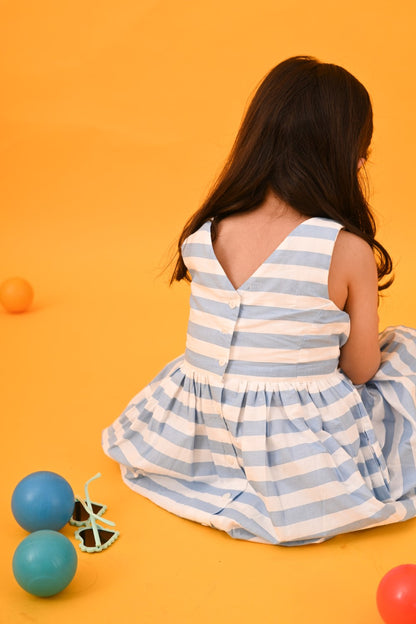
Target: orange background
116,118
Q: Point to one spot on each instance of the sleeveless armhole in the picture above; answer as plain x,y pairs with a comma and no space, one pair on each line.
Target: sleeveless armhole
341,228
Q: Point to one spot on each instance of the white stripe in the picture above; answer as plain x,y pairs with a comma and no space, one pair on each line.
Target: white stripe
258,326
265,299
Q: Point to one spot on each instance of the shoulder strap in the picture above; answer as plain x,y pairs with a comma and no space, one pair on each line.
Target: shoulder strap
315,240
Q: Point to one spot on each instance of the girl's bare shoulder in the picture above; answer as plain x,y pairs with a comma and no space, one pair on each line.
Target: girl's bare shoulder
353,254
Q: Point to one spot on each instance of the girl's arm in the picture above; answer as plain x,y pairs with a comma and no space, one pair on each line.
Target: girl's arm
353,277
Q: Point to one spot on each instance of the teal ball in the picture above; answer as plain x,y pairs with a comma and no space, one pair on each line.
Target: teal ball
45,563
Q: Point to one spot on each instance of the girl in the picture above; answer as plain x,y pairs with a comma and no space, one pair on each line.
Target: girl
288,419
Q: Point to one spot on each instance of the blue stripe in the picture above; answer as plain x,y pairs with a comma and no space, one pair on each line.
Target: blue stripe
281,341
310,315
257,340
270,370
212,280
267,313
283,286
300,258
218,308
286,287
317,230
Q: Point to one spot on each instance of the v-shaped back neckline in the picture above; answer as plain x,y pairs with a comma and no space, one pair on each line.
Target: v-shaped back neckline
266,260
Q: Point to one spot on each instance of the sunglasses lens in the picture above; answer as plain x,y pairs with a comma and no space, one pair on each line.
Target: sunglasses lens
81,515
88,538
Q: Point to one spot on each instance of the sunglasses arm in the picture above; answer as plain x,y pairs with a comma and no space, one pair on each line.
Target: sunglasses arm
88,506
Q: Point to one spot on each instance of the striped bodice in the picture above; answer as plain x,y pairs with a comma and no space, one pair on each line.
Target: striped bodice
280,323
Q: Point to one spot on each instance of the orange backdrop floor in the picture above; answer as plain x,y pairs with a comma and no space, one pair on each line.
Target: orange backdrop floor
117,118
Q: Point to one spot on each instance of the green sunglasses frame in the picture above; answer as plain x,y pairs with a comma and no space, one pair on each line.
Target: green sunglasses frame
92,536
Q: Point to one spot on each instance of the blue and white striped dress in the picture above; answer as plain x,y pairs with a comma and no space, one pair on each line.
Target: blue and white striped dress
255,430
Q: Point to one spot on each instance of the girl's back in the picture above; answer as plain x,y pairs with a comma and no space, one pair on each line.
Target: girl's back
244,241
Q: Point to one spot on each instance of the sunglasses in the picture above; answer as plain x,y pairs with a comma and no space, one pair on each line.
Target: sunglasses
92,536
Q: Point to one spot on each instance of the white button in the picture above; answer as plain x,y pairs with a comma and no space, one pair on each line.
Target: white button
232,304
230,460
226,496
222,362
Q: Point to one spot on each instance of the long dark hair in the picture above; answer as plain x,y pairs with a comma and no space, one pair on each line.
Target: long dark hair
307,127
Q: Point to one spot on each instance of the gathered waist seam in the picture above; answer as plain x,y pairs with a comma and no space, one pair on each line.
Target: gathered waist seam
205,376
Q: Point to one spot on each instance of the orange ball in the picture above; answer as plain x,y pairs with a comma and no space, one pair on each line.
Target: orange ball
16,295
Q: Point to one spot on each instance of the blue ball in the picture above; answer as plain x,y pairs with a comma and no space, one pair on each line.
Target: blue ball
43,500
44,563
